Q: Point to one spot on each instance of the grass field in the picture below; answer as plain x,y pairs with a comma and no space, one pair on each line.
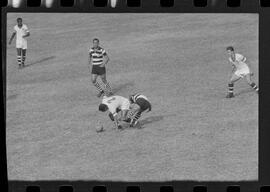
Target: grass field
177,60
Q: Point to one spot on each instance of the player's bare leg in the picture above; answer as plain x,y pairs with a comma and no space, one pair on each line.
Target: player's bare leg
97,85
251,83
108,88
19,57
135,119
124,115
233,79
23,56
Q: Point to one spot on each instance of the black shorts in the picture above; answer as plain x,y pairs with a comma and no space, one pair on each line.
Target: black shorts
96,69
143,103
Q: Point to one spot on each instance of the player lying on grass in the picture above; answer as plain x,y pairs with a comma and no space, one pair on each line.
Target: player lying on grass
98,58
115,104
240,70
141,104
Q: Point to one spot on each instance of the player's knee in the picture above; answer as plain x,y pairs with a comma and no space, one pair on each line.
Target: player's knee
250,82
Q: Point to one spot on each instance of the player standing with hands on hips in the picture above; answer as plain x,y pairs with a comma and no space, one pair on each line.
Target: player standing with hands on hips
21,31
98,58
240,70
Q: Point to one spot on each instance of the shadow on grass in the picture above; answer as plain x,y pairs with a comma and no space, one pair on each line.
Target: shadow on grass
244,91
151,119
10,97
40,61
122,86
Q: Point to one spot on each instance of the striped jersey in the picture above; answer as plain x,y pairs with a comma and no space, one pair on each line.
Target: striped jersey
134,97
96,54
239,61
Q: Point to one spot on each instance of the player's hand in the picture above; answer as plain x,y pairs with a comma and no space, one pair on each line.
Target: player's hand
111,116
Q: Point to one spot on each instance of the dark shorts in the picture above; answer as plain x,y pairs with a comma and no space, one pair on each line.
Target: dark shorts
96,69
143,103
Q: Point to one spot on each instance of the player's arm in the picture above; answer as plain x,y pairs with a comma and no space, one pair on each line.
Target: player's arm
233,68
113,117
242,58
12,37
89,61
105,58
150,107
27,34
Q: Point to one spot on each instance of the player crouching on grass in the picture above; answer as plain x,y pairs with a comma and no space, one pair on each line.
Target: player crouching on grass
141,104
240,70
115,104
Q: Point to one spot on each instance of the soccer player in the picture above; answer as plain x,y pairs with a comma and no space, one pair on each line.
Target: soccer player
21,31
240,70
98,58
142,104
115,104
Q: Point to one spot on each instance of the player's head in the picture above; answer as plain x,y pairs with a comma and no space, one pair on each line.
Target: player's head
96,42
102,107
131,98
230,50
19,21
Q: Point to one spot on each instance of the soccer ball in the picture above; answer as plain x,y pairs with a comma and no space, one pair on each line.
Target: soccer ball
99,128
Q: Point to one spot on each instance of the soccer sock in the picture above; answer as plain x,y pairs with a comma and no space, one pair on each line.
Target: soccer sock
137,116
230,86
108,87
131,113
96,84
254,86
19,59
23,59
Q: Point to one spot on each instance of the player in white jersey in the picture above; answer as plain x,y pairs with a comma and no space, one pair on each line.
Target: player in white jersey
21,31
240,70
141,104
114,104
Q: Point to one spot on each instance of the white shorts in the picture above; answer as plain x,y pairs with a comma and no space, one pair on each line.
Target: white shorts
242,72
125,105
21,44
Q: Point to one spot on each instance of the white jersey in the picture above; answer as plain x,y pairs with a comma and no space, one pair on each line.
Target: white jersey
21,42
242,68
239,61
114,102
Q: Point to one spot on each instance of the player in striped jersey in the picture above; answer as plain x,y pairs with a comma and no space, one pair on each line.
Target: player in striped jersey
98,58
240,70
141,104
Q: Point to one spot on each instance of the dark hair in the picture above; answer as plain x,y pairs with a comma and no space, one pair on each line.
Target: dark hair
131,99
19,18
102,107
95,39
230,48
